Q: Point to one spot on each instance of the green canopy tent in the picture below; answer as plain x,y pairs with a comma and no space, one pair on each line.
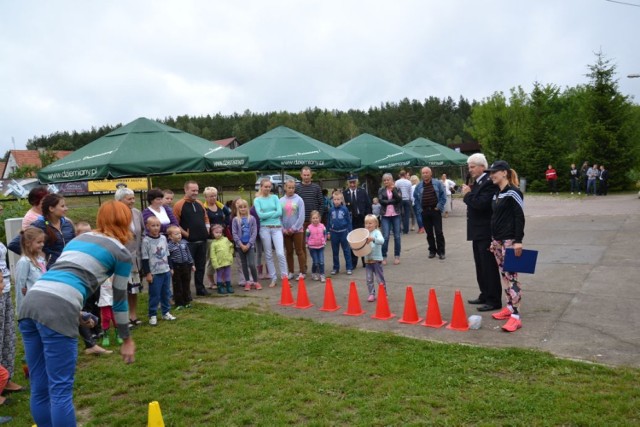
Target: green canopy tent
142,148
283,148
434,154
377,155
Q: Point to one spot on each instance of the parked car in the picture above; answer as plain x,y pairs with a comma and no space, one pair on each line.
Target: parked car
276,181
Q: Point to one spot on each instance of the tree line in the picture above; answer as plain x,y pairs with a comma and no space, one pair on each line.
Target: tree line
592,122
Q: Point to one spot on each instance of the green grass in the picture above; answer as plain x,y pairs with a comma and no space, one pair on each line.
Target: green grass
216,366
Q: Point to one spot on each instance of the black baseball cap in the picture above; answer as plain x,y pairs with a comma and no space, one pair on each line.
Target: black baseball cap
499,165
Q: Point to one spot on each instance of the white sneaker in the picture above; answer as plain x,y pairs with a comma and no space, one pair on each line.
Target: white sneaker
153,320
300,276
290,276
315,276
322,278
168,316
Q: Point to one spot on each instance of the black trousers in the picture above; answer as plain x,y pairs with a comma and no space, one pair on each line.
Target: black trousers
199,254
487,273
432,221
182,284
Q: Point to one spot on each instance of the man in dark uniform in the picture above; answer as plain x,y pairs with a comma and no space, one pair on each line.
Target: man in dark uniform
359,204
478,196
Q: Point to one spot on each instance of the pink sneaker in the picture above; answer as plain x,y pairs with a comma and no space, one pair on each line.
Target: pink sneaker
247,286
512,325
257,286
371,298
503,314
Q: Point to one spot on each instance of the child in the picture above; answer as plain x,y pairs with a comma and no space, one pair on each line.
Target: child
316,239
32,263
221,253
373,261
167,198
155,262
339,227
82,227
293,229
105,302
181,264
376,208
245,230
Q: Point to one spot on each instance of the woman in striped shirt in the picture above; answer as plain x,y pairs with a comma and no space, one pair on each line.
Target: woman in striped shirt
50,313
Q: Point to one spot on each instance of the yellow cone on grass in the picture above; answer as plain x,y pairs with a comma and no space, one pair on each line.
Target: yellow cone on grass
155,416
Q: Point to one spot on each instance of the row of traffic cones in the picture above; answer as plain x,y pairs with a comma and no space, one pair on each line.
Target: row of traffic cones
433,318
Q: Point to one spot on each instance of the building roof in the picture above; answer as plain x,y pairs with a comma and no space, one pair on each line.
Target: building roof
32,157
225,142
2,166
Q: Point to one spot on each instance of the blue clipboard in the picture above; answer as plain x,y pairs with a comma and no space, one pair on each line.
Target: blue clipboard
525,263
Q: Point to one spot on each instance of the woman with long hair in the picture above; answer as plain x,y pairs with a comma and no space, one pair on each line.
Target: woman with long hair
58,229
391,200
507,231
50,313
269,210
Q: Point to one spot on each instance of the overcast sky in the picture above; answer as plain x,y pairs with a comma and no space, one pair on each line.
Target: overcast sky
71,65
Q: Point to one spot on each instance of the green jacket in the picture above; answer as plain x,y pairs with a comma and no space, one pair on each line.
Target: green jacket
221,252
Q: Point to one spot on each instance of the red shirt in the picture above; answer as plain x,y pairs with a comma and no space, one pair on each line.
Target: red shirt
551,175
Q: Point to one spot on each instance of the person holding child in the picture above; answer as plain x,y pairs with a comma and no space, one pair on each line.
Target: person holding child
339,227
155,266
181,265
316,239
373,260
50,313
221,252
244,228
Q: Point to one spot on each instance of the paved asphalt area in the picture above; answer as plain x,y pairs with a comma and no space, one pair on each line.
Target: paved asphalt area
582,303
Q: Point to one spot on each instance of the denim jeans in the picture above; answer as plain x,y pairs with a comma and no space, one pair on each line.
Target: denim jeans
272,238
160,293
317,259
387,223
51,358
339,240
418,218
406,215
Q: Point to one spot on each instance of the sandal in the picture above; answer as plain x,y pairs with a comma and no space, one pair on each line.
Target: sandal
135,322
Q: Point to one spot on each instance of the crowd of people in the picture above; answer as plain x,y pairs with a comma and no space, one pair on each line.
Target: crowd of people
167,246
593,179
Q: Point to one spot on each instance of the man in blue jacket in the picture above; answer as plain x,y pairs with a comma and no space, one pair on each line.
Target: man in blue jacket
429,198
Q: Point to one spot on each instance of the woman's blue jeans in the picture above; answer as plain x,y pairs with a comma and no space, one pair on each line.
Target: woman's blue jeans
389,222
51,358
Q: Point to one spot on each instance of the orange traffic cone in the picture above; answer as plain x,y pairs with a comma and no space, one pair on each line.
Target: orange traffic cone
303,299
459,320
353,308
329,297
410,314
155,416
433,319
286,298
382,306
